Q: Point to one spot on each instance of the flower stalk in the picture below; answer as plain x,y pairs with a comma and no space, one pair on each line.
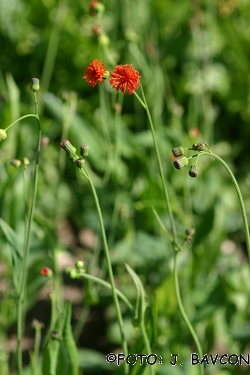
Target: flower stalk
24,265
242,206
85,173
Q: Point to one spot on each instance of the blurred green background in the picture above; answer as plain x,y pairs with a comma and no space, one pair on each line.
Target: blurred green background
193,59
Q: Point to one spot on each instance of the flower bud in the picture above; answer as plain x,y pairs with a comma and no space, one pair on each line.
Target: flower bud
79,265
103,40
193,170
37,325
25,161
84,151
70,149
54,335
46,271
201,146
16,163
95,7
181,162
97,30
79,163
189,239
3,135
190,231
71,272
44,142
34,85
178,151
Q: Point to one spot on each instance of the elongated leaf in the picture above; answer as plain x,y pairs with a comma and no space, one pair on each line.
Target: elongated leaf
68,362
61,356
16,254
141,302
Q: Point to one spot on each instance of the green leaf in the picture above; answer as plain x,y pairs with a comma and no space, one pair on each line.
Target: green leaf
68,362
61,356
16,254
141,303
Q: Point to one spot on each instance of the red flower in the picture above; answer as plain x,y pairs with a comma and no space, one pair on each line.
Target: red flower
94,72
125,77
45,271
92,7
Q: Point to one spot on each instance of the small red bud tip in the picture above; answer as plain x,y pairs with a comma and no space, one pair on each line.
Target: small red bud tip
84,150
45,271
95,7
64,143
54,335
80,163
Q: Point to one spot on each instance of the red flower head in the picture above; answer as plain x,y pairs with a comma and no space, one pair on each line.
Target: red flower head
94,72
125,77
46,271
92,7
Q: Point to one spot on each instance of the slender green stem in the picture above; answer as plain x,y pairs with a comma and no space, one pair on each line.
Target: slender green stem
24,266
175,244
242,206
109,286
147,343
35,357
174,239
80,322
19,119
61,11
145,106
84,171
183,313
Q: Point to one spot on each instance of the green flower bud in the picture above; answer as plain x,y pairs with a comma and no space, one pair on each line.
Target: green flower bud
54,335
95,7
79,163
178,151
181,162
34,85
106,75
193,170
16,163
103,40
84,151
3,135
190,231
201,146
79,265
189,239
37,325
25,162
70,149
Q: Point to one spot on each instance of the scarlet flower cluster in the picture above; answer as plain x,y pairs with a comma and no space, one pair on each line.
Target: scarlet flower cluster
123,77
